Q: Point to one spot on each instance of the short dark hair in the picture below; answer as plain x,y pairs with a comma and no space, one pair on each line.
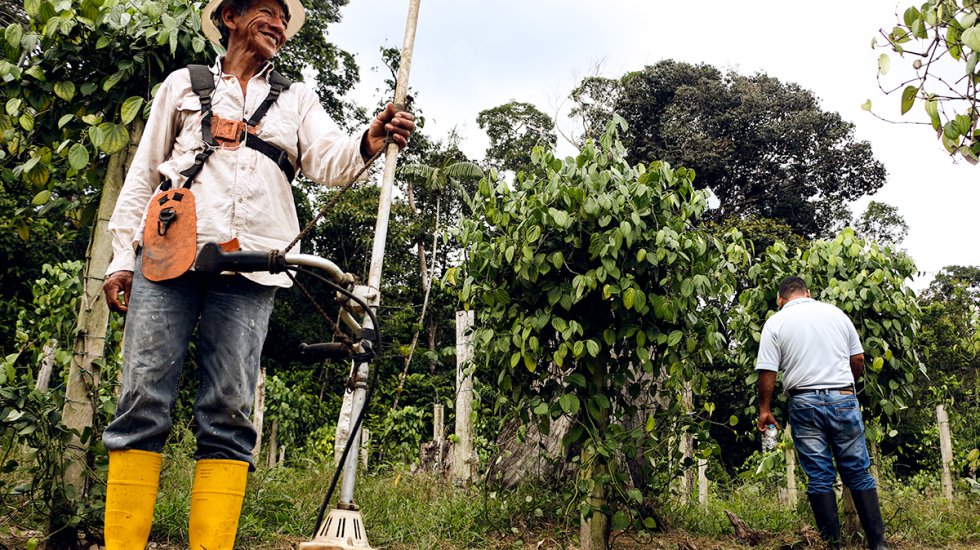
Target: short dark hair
791,286
239,7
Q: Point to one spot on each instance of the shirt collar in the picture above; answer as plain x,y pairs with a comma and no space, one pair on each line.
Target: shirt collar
797,301
264,72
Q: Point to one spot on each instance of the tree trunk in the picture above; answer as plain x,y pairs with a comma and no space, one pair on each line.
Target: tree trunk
258,412
595,529
47,366
81,393
945,450
464,466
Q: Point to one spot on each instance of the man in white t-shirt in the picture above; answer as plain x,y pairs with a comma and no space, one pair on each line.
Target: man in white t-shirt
820,354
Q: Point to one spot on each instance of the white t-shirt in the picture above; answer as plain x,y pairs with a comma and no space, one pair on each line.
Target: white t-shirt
812,342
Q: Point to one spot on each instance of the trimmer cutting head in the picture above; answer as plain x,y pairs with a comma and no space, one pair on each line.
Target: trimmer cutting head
342,530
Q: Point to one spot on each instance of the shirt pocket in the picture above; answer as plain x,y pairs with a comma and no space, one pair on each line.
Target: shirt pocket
189,119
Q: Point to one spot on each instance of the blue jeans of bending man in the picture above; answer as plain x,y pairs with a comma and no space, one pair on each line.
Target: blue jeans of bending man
232,314
827,427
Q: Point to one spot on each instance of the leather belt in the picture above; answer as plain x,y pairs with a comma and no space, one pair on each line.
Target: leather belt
797,391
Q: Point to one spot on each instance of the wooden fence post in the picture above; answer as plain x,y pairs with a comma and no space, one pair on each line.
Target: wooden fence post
438,423
686,481
463,465
47,366
791,492
703,481
365,447
258,412
946,450
273,435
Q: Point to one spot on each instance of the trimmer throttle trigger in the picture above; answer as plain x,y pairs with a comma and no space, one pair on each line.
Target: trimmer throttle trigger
167,217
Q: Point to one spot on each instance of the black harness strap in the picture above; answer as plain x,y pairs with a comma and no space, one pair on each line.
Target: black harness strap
277,83
202,82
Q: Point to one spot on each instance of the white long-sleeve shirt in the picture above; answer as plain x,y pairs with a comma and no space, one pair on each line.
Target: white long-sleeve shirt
240,193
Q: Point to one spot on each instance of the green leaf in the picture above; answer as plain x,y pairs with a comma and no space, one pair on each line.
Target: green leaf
78,156
908,98
130,108
593,347
542,409
27,121
36,72
732,420
65,120
884,64
674,338
878,364
971,38
628,298
575,379
866,105
13,34
620,521
41,198
111,81
115,137
96,136
65,90
13,106
569,403
102,42
32,7
932,108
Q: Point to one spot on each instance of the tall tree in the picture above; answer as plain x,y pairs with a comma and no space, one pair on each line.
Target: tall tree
765,148
514,129
881,223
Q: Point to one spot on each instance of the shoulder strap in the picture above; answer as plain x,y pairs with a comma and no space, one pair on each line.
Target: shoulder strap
202,82
277,83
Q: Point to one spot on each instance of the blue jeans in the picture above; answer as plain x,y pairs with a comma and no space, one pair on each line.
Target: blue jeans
232,314
827,426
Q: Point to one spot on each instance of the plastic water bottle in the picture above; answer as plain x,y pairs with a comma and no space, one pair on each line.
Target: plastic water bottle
769,438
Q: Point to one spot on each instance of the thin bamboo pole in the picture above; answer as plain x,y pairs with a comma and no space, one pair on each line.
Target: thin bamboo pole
378,251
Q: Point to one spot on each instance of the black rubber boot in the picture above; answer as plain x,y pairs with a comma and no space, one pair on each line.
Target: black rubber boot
824,507
869,511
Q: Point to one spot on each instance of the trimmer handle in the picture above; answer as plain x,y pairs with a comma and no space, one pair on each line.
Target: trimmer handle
212,259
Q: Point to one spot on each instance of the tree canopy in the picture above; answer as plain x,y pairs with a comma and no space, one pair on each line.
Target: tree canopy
514,129
765,148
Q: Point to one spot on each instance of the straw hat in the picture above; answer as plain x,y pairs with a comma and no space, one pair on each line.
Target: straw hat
211,19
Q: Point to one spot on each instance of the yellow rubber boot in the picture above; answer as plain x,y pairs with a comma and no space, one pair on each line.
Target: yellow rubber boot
131,493
216,503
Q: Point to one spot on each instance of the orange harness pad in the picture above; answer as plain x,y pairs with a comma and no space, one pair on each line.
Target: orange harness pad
170,235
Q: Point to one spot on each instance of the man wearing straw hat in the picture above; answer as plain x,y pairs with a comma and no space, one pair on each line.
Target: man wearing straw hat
238,132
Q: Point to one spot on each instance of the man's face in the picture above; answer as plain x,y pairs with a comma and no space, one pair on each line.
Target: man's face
261,29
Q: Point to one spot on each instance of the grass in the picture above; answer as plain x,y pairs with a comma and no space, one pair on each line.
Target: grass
403,510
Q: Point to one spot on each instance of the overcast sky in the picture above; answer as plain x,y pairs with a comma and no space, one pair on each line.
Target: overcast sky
472,55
